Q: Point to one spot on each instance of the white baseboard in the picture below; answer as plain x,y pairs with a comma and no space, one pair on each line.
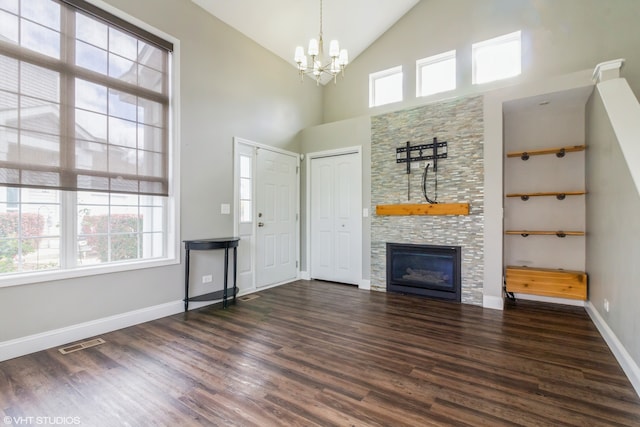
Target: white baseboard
565,301
305,275
629,366
365,285
496,303
42,341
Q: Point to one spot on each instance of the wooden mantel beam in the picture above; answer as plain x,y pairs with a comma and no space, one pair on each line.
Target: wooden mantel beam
424,209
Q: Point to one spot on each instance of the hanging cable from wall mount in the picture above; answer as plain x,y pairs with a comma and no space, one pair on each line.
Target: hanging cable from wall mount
435,156
425,173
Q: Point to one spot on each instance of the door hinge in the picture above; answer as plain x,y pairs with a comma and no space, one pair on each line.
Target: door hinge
297,169
296,264
296,217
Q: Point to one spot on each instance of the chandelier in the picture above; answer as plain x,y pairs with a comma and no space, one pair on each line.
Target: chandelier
317,66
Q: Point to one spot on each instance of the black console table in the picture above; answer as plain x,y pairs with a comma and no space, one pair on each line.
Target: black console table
207,245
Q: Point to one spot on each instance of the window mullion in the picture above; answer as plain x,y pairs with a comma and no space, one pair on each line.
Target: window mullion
69,215
69,229
67,100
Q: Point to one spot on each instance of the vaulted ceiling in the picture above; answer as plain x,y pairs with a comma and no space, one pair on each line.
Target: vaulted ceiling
281,25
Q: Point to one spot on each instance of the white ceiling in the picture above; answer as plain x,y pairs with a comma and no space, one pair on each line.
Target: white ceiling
570,98
281,25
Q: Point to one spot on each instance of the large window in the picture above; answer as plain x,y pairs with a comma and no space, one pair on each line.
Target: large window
436,74
385,87
497,58
84,137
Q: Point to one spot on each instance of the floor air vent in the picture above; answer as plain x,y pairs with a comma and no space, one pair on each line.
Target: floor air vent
249,297
81,346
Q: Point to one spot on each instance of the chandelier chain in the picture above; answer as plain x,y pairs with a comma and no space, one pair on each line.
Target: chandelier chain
320,19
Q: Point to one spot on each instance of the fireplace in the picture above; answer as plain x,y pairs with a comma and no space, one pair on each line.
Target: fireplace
426,270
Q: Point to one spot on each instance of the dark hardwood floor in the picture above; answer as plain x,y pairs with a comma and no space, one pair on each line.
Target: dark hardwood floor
316,353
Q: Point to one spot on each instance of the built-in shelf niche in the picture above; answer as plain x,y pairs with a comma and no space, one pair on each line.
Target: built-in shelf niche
544,186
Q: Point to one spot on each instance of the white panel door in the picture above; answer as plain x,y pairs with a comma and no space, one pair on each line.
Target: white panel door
276,208
336,223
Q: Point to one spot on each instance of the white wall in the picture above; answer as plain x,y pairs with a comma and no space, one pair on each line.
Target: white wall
230,86
559,37
613,244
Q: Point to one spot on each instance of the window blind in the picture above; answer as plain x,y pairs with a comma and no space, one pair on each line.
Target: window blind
84,100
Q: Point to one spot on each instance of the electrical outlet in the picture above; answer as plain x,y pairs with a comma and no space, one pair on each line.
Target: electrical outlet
207,278
606,305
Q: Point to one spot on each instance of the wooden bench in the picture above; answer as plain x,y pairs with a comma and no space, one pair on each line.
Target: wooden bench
547,282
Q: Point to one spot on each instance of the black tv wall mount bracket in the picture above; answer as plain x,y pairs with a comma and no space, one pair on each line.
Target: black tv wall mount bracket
417,153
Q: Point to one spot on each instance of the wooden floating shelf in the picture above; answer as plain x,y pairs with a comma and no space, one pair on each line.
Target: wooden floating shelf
424,209
559,195
559,151
559,233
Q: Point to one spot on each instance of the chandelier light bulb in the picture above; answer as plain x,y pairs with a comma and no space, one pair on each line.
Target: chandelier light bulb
313,47
334,49
343,59
299,54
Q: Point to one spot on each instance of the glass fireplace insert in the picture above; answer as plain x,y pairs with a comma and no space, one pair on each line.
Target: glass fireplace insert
427,270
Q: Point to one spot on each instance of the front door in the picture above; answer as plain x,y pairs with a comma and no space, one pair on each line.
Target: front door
276,217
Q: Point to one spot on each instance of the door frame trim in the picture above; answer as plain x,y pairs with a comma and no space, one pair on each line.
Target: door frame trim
357,150
236,203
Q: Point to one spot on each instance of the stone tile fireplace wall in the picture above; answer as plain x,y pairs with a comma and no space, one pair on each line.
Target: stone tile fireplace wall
460,179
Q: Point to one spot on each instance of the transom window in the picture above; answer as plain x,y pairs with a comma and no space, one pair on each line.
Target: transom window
84,137
385,87
497,58
436,74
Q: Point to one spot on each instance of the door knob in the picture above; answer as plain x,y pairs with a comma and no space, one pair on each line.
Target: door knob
261,224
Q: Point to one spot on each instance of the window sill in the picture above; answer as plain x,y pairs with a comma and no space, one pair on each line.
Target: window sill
53,275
